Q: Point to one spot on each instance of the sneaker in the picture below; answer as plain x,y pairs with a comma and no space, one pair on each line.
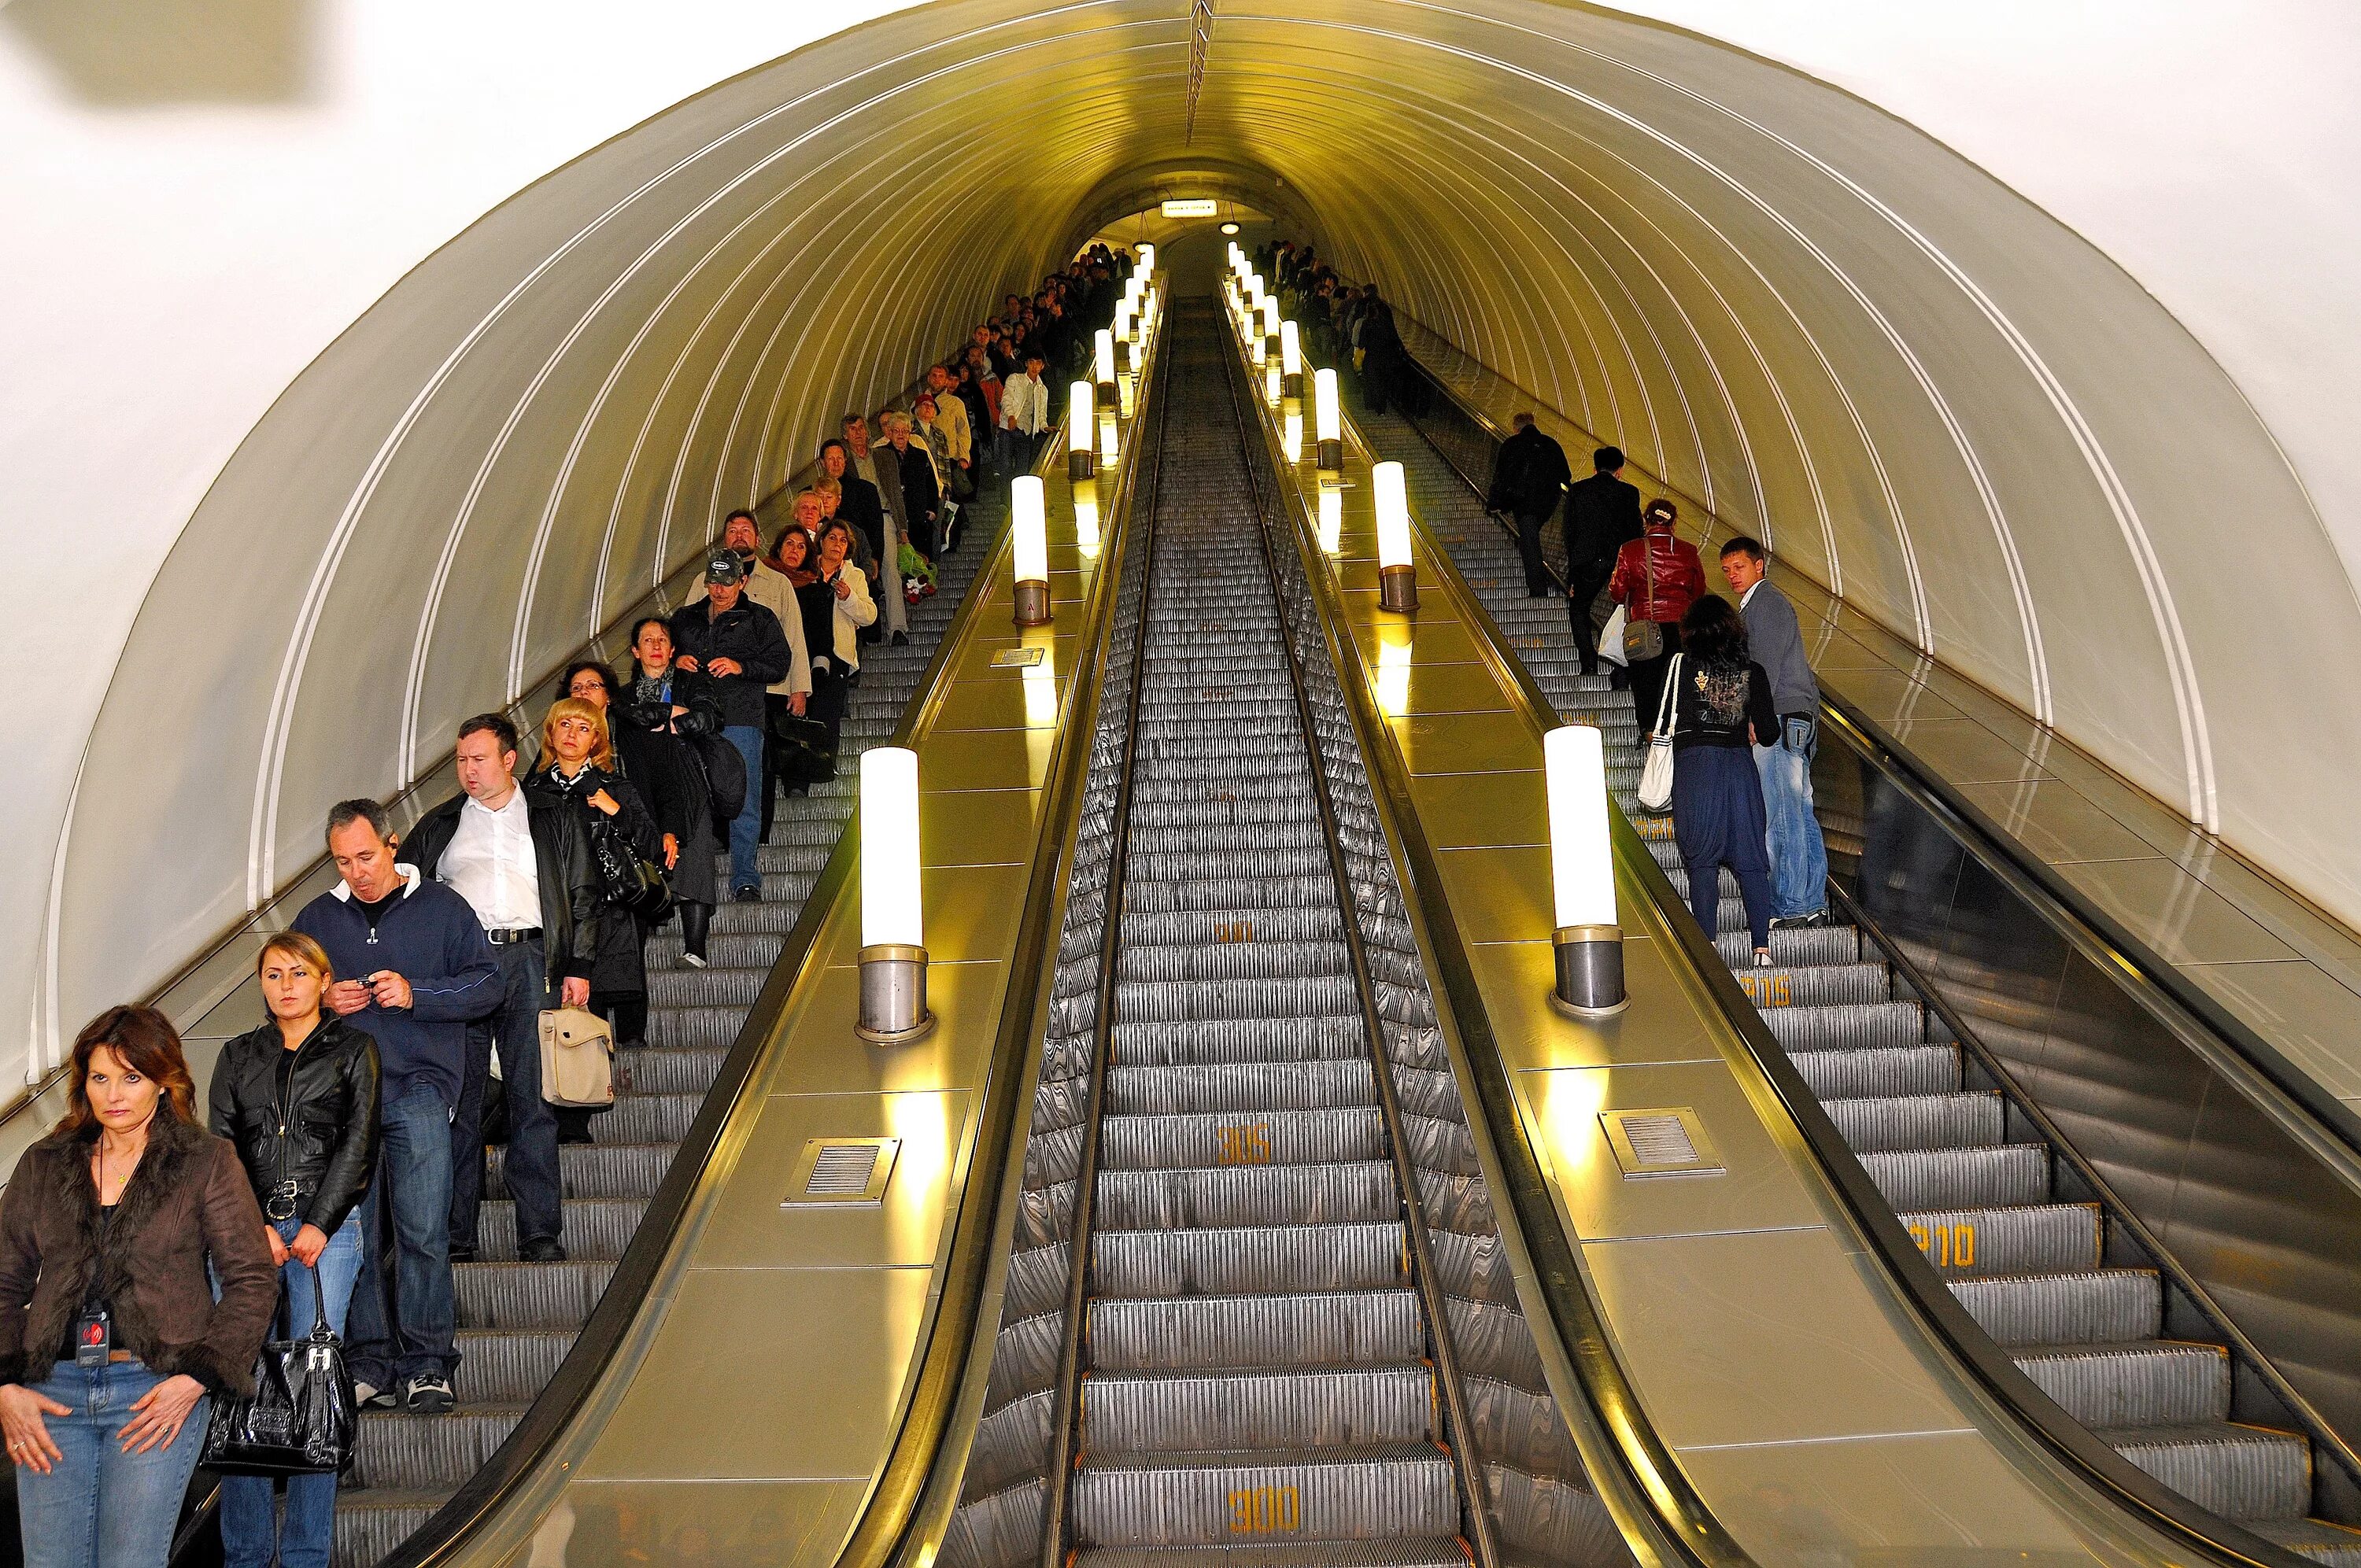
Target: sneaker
369,1397
428,1394
694,961
1800,922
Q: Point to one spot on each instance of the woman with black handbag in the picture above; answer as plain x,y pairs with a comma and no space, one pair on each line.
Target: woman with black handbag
629,847
299,1097
658,716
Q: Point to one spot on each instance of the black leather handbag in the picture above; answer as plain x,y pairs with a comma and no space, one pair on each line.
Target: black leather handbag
301,1418
804,754
630,881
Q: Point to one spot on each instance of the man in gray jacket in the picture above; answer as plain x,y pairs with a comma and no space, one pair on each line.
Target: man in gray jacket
1799,859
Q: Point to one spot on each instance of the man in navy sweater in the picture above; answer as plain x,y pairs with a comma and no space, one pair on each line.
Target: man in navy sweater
412,968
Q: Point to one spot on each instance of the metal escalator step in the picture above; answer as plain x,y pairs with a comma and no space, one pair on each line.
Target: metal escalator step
1440,1552
743,950
1199,811
2033,1238
1894,1069
1814,985
508,1367
1175,1001
676,1070
1224,895
1241,1138
1240,1086
1553,1522
528,1295
1305,864
784,856
1227,959
2154,1383
1207,1041
2332,1544
1852,1025
773,917
1234,1261
698,1027
1141,1333
1302,1405
1918,1121
1991,1176
372,1520
1247,1195
2099,1306
599,1170
1796,946
637,1118
595,1228
408,1453
2237,1472
711,987
1383,1493
1202,928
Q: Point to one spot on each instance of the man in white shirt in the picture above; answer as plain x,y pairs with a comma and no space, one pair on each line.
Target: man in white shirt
527,872
1023,414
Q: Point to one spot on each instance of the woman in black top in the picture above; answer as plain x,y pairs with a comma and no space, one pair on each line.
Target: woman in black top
299,1098
1721,702
577,766
653,710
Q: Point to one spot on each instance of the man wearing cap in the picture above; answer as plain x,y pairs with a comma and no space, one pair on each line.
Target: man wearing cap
741,648
772,590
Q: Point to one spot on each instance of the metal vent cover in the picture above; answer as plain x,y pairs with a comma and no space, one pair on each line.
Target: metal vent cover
1668,1141
838,1173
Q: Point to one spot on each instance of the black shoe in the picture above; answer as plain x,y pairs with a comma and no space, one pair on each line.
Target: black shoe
1799,922
428,1394
798,792
901,640
748,895
541,1249
463,1254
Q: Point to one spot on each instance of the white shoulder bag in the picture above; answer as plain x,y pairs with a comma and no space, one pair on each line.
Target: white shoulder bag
1656,772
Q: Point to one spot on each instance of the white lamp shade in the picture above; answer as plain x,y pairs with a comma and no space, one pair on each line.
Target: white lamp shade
1290,349
1027,527
1327,414
1123,322
1270,317
1582,863
1102,354
889,848
1393,515
1080,403
1146,261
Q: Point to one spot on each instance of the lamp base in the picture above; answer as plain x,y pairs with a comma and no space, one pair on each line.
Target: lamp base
1082,462
1328,456
1589,971
1105,394
1033,604
1397,588
893,995
1291,388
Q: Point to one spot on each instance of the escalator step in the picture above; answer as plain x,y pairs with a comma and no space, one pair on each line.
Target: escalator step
1855,1025
2035,1237
1230,1261
1993,1176
2238,1471
1241,958
1241,1139
1445,1553
1200,1042
1357,1493
1199,928
2100,1305
1302,1405
1817,985
2322,1543
1796,946
1894,1069
1918,1122
1304,996
2149,1384
1242,1086
1247,1195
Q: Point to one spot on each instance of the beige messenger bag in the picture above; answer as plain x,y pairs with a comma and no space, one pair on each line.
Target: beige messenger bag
577,1058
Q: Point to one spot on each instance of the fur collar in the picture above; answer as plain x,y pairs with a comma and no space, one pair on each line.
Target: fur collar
163,1168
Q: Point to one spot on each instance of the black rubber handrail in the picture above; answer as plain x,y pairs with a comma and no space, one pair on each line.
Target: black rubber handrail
2215,1541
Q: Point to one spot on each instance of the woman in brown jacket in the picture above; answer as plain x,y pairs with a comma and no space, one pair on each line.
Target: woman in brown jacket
110,1339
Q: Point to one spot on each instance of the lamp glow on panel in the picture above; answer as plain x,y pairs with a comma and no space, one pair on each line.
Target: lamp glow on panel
1291,437
1393,671
1109,443
1397,582
1332,521
1086,517
1041,682
1587,941
893,924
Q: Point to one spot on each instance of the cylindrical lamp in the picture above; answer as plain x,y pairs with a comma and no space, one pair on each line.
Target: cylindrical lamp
1327,426
1397,579
1029,546
1291,360
1146,261
1588,940
1082,408
1102,369
1126,329
892,931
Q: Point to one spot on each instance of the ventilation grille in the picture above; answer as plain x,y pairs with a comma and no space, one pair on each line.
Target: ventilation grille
1670,1142
840,1172
1013,658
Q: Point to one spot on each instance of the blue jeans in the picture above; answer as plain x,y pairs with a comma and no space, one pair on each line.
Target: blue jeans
408,1332
99,1507
529,1169
746,827
250,1530
1799,859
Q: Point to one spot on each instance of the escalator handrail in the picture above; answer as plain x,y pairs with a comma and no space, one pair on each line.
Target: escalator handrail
1663,1518
482,1497
2216,1541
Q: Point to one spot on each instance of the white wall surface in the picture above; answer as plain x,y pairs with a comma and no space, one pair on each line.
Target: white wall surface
192,219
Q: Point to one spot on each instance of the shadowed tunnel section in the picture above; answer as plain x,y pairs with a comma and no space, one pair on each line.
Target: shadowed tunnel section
1793,308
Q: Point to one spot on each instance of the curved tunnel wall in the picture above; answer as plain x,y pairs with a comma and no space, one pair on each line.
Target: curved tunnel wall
1922,388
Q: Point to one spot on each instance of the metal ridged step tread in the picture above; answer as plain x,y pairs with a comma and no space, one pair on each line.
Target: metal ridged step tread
2028,1266
518,1319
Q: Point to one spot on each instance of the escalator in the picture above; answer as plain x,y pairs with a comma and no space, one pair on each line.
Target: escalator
1258,1310
518,1319
1992,1198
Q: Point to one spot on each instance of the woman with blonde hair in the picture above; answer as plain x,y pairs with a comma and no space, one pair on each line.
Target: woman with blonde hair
578,768
111,1341
299,1096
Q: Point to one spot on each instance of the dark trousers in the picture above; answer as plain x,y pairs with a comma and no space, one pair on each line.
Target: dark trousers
1718,821
405,1332
828,699
528,1169
1648,678
1528,547
1585,582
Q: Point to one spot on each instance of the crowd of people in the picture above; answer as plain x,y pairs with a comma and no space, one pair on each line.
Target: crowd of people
1346,325
1722,679
147,1245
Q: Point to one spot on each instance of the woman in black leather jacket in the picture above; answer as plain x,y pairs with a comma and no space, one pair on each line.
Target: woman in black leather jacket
299,1098
654,708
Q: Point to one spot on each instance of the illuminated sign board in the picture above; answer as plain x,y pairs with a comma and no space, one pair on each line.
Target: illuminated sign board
1192,207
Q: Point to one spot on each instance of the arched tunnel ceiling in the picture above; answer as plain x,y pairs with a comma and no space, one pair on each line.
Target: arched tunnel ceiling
1792,306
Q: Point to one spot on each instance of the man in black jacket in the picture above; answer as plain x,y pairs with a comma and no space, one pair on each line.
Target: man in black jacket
740,648
527,872
1528,477
1601,514
858,503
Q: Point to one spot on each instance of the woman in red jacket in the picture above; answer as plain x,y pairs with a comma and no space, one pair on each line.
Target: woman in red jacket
1657,578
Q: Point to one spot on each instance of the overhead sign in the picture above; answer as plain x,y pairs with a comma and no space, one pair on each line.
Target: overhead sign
1192,207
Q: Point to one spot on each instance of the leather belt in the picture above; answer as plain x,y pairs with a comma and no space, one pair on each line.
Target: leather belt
510,939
